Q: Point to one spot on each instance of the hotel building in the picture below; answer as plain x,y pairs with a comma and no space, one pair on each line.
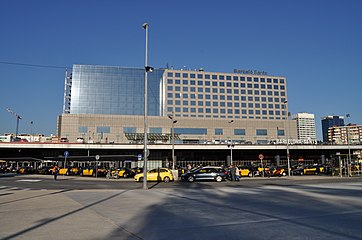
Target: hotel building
106,104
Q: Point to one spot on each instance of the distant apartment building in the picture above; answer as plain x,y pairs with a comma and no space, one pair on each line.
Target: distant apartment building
330,121
305,126
350,134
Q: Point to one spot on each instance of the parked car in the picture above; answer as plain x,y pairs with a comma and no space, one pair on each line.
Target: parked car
69,171
91,171
157,174
45,170
217,174
123,172
313,169
26,170
298,171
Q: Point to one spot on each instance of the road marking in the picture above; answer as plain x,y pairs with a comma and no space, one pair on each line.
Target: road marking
28,180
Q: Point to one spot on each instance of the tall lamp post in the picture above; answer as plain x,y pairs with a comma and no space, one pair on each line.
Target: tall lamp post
287,136
173,139
145,153
349,148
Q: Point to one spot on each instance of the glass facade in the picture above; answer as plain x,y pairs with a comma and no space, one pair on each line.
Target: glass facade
114,90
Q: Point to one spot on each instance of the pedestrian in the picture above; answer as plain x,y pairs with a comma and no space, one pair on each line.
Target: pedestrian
237,174
55,172
232,172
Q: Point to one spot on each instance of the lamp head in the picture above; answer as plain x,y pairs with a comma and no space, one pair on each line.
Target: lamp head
145,25
149,69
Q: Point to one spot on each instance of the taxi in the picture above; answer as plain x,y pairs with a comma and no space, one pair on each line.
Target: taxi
156,174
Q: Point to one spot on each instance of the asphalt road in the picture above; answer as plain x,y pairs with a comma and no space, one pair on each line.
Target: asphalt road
315,207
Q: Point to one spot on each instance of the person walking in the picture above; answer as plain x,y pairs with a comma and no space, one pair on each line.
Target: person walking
232,173
55,172
237,173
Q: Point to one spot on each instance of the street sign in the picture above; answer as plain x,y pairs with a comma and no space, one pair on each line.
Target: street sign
261,156
139,157
97,157
66,153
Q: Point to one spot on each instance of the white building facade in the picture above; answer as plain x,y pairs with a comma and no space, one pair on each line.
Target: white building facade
305,126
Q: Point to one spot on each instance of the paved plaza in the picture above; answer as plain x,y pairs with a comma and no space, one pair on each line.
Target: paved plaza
268,211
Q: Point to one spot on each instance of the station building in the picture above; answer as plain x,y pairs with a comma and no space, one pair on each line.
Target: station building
105,104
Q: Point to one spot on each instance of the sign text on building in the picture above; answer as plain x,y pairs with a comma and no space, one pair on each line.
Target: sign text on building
255,72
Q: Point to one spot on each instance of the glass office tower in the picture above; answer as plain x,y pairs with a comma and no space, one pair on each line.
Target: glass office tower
113,90
330,121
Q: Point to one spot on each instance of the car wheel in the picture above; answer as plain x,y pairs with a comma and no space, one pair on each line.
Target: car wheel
190,179
218,178
140,179
125,175
166,179
67,173
301,173
250,174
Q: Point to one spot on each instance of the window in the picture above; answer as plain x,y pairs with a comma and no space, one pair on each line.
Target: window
185,75
170,88
169,81
207,76
261,132
129,130
280,132
177,81
219,131
191,131
235,78
214,76
83,129
239,131
155,130
221,77
193,82
103,129
170,74
199,76
200,83
192,75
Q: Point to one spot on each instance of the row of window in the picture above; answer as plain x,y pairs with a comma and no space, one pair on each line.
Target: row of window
228,84
229,116
223,77
222,91
229,104
224,111
191,131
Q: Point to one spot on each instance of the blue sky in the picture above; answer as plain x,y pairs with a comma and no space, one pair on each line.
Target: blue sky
316,44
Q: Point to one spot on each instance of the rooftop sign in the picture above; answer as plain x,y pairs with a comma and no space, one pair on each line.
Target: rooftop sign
255,72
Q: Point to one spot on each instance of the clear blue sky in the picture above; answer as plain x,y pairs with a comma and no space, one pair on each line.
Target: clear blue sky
316,44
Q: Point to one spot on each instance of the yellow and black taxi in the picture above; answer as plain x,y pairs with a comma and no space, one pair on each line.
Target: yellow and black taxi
69,171
313,169
93,171
156,174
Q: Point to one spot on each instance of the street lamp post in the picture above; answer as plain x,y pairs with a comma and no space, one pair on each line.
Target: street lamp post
173,140
145,153
349,148
287,136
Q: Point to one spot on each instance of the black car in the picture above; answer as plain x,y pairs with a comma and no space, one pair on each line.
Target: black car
217,174
297,171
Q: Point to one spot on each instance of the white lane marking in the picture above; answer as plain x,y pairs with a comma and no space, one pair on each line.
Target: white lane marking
28,180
